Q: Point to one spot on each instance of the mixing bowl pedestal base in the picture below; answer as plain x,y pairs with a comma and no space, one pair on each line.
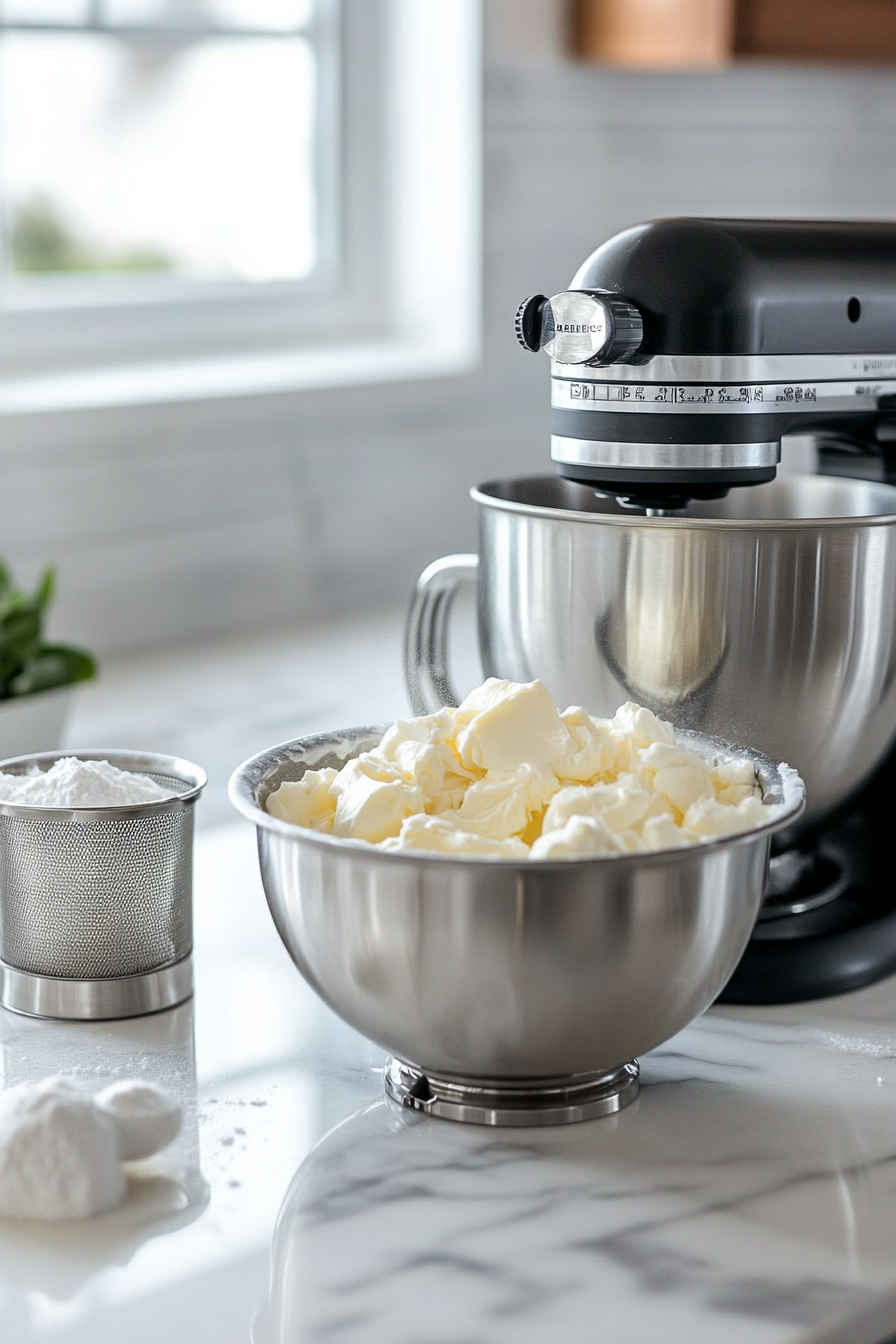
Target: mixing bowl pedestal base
517,1102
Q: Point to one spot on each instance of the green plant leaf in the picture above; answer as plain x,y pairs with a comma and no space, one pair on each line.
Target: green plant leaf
19,641
45,589
55,665
27,665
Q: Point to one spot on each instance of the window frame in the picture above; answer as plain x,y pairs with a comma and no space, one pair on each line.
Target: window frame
396,290
98,292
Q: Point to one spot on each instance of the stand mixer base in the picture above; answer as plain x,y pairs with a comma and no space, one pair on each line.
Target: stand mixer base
799,969
479,1101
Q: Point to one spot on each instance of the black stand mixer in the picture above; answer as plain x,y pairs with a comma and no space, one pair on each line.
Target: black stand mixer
682,352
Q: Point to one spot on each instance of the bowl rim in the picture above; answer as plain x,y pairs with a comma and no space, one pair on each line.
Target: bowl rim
481,495
247,778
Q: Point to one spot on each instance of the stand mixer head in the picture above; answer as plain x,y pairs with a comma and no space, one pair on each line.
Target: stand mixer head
685,348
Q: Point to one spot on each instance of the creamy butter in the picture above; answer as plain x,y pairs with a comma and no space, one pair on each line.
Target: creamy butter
506,802
307,801
423,752
373,799
505,724
596,750
440,835
506,775
578,837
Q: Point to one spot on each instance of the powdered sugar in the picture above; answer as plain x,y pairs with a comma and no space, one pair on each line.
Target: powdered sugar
146,1117
71,782
61,1149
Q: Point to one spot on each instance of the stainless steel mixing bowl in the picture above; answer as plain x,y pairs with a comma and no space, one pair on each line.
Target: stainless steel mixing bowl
508,992
768,617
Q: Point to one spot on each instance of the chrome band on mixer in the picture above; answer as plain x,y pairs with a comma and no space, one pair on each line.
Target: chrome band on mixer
737,369
592,394
674,456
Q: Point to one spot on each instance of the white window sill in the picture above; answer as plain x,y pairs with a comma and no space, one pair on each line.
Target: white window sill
246,375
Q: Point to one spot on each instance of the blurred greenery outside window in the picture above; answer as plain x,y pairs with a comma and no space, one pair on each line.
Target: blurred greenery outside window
205,198
145,137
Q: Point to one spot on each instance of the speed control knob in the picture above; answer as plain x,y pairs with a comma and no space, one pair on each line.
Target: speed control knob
580,326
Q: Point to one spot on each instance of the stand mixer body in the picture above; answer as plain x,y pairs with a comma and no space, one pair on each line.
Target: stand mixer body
666,564
683,352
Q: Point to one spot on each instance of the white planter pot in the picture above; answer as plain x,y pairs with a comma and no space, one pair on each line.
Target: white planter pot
33,722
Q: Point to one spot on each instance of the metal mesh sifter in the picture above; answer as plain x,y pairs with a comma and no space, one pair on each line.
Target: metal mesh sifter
96,903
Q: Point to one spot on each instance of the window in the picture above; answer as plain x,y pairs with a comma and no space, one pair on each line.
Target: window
180,142
188,184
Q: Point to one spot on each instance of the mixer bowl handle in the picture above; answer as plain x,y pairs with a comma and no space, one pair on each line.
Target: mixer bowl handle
426,633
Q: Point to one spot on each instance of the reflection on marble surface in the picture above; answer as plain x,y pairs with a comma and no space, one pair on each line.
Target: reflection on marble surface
749,1195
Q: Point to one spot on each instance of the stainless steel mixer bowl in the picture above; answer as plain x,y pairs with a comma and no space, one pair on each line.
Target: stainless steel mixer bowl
768,617
518,992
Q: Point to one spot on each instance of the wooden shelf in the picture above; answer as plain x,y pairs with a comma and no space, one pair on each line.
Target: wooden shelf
701,34
816,30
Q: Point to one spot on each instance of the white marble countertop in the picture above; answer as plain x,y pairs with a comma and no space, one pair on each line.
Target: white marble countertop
747,1197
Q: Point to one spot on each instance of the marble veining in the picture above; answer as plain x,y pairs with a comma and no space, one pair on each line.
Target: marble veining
747,1197
750,1194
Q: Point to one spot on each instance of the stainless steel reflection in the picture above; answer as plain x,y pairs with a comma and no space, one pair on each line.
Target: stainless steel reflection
609,453
817,369
481,973
96,1000
767,618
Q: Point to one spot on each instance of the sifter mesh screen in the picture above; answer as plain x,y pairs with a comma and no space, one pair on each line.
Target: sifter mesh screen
97,899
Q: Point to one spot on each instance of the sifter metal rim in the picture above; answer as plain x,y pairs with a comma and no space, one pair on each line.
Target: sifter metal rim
140,762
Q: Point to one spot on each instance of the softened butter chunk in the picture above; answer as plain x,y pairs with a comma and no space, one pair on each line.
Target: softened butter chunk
709,819
505,724
596,751
679,776
577,839
440,835
422,751
662,832
619,806
372,800
642,726
505,802
733,781
306,802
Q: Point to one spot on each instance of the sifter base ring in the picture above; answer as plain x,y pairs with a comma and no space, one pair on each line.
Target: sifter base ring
95,1000
513,1102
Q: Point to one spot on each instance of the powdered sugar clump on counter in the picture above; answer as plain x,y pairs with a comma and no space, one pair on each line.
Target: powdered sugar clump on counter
71,782
62,1148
